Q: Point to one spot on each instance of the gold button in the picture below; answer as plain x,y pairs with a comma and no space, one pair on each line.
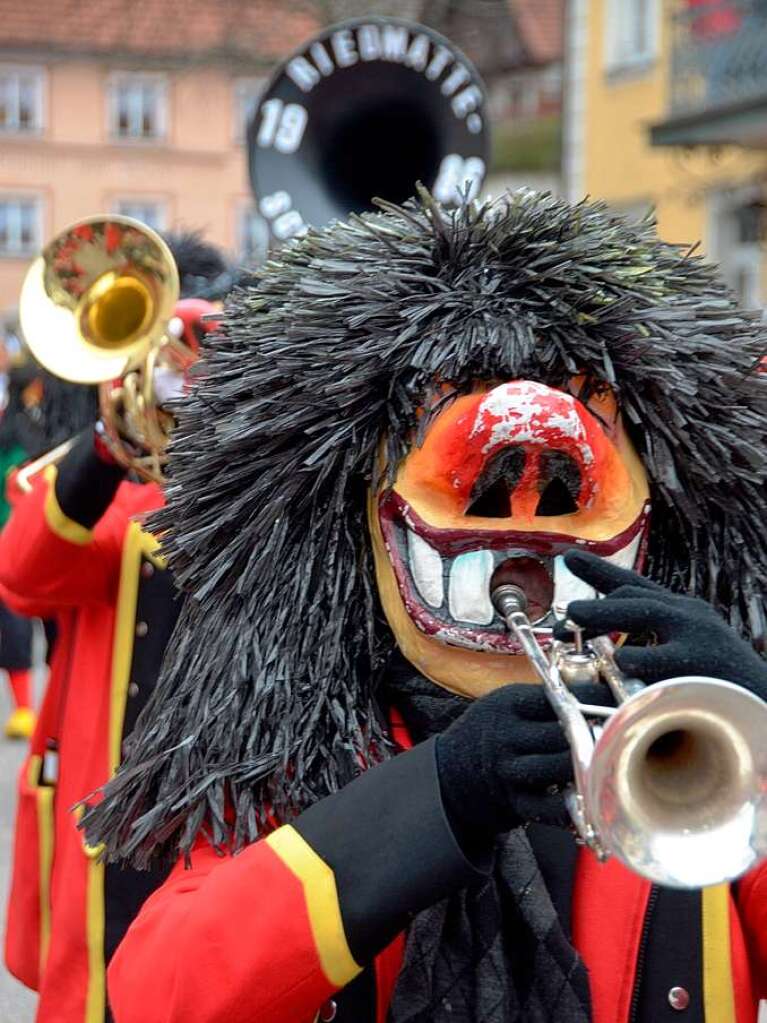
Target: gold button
678,998
133,689
141,629
147,570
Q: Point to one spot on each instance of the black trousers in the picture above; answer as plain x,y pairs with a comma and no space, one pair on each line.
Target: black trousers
15,640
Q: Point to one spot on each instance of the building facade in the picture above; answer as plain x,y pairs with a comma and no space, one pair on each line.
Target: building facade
143,112
144,118
624,70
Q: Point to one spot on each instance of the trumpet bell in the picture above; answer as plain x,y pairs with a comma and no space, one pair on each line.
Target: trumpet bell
97,298
118,311
677,786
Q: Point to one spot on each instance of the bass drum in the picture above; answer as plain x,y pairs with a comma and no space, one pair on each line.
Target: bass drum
367,109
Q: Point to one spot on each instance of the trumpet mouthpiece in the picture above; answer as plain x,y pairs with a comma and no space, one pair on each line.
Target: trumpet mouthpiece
508,599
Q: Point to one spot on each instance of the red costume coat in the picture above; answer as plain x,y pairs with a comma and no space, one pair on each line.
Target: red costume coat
260,936
59,928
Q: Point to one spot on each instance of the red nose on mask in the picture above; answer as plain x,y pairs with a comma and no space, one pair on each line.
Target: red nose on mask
537,449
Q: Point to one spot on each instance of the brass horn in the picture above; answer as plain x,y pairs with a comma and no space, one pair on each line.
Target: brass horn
673,780
364,110
95,308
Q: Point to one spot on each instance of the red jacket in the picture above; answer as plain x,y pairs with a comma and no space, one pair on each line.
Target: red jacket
260,936
49,562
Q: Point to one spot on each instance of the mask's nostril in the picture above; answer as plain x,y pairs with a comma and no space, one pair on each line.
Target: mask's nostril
493,503
491,493
556,499
559,484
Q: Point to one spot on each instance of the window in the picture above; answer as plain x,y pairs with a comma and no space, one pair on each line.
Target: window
530,99
247,93
740,254
137,107
735,242
552,83
631,36
21,100
252,235
149,212
20,226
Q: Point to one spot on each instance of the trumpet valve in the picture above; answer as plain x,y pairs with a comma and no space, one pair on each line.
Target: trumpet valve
576,666
576,661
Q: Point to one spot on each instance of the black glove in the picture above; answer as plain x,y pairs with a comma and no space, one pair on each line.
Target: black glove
505,761
692,639
86,480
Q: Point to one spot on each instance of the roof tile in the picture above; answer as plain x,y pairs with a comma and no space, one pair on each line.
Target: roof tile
541,26
257,30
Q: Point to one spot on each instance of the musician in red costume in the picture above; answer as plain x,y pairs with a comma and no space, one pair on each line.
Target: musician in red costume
75,546
22,436
347,756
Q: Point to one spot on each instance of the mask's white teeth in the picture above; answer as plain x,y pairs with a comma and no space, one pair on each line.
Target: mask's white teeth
469,588
627,556
568,587
426,569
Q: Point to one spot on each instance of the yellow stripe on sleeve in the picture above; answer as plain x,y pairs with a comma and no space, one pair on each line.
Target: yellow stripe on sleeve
718,996
319,884
58,522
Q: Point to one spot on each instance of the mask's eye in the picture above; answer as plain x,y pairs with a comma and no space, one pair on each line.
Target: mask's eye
560,484
491,494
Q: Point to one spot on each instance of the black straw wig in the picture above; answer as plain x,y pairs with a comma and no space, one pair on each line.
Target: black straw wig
266,700
203,271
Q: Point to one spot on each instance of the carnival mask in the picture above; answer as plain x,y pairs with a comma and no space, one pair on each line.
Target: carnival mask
506,480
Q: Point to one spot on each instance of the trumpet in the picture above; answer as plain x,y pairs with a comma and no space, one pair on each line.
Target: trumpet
95,307
672,780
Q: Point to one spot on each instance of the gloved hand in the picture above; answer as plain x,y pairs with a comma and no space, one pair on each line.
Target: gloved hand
113,450
103,444
505,761
87,479
692,639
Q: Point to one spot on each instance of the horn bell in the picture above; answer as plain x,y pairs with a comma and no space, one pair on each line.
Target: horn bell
677,786
97,298
366,109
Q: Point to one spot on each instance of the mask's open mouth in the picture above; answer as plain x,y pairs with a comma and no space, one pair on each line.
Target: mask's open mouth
444,575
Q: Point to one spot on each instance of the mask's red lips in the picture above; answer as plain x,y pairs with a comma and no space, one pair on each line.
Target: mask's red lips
444,575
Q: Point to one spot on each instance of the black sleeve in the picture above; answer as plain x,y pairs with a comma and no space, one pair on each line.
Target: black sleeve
85,483
387,839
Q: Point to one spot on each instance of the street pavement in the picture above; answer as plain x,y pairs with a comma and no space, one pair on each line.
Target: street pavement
17,1003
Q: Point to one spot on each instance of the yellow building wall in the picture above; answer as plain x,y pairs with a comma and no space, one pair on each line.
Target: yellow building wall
620,165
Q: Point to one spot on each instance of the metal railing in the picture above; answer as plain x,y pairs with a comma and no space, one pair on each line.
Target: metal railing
719,54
